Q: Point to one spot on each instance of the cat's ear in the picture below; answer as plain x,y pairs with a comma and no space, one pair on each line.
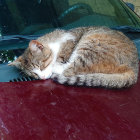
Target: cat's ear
17,62
35,46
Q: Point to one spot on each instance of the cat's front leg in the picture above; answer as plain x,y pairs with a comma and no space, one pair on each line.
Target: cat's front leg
69,70
59,68
66,51
66,69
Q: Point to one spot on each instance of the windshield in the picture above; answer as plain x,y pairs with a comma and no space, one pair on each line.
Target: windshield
35,16
25,20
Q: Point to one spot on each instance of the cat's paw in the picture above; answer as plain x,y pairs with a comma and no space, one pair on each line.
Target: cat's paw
58,68
68,72
45,74
48,76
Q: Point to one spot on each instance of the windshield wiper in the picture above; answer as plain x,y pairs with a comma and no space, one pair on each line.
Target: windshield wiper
127,29
16,38
4,40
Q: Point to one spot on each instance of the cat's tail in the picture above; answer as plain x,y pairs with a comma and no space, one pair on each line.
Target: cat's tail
118,80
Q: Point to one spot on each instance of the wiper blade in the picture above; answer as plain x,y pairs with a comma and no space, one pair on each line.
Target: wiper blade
127,29
4,40
16,38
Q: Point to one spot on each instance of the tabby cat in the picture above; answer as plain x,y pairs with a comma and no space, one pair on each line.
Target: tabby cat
90,56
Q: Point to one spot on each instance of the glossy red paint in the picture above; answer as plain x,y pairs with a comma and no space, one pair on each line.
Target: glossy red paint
44,110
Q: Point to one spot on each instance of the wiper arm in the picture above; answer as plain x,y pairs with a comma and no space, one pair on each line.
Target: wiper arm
16,38
4,40
127,29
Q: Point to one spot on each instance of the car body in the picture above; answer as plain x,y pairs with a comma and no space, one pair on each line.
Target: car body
44,110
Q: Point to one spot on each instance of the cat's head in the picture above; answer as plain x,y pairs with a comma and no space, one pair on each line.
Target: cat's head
36,56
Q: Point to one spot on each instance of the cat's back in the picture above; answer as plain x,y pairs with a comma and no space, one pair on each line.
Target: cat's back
105,44
108,39
105,33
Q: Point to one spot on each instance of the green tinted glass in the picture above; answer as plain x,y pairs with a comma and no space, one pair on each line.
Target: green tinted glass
34,16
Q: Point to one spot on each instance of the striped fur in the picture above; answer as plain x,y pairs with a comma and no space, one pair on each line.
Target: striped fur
98,79
85,56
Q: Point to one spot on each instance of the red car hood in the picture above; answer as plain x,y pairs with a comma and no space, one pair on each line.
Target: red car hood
44,110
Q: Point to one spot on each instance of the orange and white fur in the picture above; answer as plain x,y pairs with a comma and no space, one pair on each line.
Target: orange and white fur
90,56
